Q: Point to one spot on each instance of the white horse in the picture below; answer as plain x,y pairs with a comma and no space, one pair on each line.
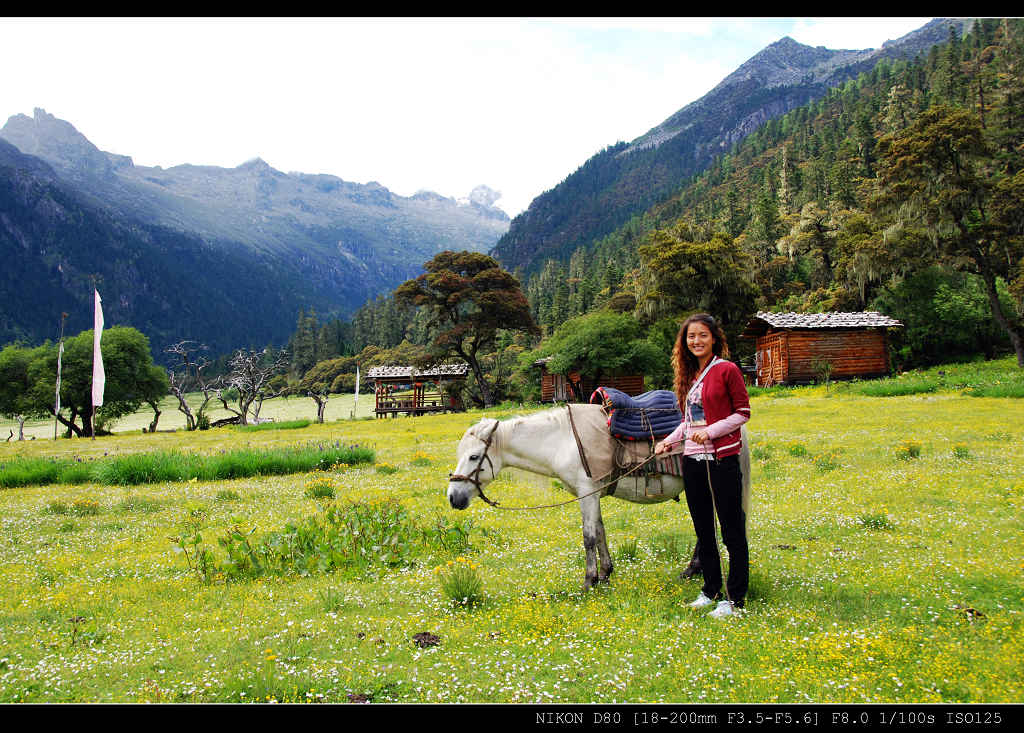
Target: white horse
543,443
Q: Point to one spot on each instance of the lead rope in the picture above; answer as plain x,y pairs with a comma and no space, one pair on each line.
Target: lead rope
714,515
570,501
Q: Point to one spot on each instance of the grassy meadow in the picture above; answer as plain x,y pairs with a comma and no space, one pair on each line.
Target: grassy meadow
887,549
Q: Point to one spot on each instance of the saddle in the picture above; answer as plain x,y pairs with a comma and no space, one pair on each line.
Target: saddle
649,416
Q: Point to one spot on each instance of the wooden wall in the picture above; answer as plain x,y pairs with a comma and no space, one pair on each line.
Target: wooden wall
554,388
788,357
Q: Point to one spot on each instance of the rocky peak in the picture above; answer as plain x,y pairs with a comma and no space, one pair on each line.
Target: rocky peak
57,142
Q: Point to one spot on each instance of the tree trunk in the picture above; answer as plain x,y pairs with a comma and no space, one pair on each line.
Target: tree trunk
1013,329
156,417
21,426
485,389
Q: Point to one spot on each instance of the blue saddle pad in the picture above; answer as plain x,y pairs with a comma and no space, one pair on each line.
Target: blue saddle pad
655,413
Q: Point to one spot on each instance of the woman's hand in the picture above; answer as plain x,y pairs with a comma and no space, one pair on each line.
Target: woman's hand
660,448
700,436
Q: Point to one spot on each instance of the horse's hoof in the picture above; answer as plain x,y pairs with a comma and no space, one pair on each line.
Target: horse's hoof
690,570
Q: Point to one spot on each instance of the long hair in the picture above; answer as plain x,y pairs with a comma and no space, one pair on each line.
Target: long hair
684,364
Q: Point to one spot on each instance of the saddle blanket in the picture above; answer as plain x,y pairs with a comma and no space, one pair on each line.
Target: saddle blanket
651,415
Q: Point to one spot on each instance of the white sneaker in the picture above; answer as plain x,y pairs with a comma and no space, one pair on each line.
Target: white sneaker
724,609
702,601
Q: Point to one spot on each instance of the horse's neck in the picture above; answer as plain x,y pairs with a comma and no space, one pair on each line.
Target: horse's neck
532,444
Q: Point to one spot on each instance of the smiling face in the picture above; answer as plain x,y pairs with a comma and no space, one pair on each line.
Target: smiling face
699,341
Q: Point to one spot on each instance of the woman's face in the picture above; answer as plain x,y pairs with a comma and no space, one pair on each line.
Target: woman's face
699,340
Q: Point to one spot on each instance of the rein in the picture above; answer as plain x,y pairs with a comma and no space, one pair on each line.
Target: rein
474,476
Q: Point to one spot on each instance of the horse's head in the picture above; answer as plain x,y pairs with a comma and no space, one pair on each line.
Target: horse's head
478,461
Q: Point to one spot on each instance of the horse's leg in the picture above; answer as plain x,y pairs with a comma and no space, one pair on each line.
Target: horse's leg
602,548
593,533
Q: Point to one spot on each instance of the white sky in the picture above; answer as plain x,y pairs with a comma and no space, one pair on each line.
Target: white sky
439,104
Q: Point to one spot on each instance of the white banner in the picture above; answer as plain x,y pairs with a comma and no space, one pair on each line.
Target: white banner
60,353
99,377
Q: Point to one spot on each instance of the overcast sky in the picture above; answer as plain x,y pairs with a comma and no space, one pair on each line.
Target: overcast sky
437,104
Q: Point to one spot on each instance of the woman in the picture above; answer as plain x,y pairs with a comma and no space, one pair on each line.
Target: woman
715,404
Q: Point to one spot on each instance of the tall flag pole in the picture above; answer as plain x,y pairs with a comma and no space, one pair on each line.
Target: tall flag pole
60,353
99,377
355,402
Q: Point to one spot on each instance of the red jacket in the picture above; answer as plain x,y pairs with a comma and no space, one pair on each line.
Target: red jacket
723,392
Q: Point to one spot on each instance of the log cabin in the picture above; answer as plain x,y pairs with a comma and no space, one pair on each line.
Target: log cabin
577,387
799,348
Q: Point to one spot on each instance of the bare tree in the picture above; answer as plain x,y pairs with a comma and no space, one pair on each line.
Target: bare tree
189,378
250,375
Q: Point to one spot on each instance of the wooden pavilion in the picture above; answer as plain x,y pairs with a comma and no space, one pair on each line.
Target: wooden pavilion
575,387
793,348
411,391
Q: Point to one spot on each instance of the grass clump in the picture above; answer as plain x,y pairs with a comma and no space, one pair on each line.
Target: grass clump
460,582
320,487
144,504
174,466
908,450
284,425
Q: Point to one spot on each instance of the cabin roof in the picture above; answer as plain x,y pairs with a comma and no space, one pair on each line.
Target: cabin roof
765,321
437,371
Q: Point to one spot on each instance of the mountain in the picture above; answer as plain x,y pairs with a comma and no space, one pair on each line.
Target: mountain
171,285
305,240
626,179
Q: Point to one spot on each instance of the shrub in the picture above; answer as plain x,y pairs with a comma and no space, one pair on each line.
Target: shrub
797,449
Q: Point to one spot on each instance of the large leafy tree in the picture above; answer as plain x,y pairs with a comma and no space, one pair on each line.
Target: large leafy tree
685,275
16,400
599,344
131,378
937,175
468,299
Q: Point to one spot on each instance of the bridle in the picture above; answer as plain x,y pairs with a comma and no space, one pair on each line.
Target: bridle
474,476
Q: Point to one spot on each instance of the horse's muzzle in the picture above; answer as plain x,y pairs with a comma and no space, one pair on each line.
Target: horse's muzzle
458,502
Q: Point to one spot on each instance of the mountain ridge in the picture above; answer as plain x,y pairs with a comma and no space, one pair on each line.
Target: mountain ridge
625,179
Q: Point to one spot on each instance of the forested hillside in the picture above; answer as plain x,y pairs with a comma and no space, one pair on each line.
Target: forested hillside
624,180
900,190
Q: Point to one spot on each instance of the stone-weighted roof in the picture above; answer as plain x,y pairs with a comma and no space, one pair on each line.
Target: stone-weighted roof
439,371
764,320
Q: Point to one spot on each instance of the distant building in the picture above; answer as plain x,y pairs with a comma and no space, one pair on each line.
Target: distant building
792,348
411,391
575,387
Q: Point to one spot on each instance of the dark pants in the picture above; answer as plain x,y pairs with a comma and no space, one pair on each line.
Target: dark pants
727,480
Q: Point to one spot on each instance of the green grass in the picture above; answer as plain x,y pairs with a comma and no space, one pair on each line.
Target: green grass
283,425
147,468
881,579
